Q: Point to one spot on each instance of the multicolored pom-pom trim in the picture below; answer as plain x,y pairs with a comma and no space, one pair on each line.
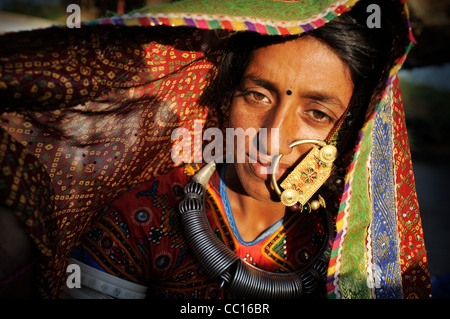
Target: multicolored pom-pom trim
232,23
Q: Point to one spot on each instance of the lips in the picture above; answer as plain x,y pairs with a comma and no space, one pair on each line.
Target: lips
263,167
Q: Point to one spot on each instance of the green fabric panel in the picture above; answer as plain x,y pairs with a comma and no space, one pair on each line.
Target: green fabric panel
353,278
260,9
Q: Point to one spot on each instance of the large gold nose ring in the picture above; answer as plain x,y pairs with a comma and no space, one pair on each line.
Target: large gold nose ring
307,177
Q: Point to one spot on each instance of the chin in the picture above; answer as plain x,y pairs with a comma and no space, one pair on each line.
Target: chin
256,187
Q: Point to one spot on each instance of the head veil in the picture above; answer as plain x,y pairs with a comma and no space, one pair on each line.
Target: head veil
88,112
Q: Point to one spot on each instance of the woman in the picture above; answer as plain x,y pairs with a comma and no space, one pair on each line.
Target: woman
330,84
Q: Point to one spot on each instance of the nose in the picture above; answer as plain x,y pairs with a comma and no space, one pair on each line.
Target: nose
280,130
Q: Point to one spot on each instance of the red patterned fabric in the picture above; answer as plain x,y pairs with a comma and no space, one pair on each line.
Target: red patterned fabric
413,257
94,109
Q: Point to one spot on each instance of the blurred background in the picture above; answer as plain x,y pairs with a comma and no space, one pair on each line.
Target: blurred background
424,79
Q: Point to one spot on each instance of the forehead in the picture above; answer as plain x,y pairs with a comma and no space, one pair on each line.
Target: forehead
301,62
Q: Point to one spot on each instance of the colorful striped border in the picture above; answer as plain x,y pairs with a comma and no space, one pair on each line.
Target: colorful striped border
231,23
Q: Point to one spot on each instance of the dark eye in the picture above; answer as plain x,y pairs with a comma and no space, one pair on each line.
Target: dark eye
320,116
259,96
253,97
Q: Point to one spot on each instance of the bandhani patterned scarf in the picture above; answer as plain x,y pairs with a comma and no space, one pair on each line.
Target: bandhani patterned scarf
88,113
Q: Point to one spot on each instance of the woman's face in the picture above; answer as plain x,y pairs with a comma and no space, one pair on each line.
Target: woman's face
300,87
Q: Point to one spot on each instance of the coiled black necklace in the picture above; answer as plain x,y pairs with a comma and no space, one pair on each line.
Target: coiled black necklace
234,274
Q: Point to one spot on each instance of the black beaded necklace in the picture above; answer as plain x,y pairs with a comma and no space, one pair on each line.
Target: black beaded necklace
237,276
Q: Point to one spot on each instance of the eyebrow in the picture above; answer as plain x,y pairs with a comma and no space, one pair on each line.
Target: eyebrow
271,86
324,97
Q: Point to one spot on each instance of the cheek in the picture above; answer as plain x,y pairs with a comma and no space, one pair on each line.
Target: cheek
300,127
238,116
233,115
242,131
243,116
307,131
